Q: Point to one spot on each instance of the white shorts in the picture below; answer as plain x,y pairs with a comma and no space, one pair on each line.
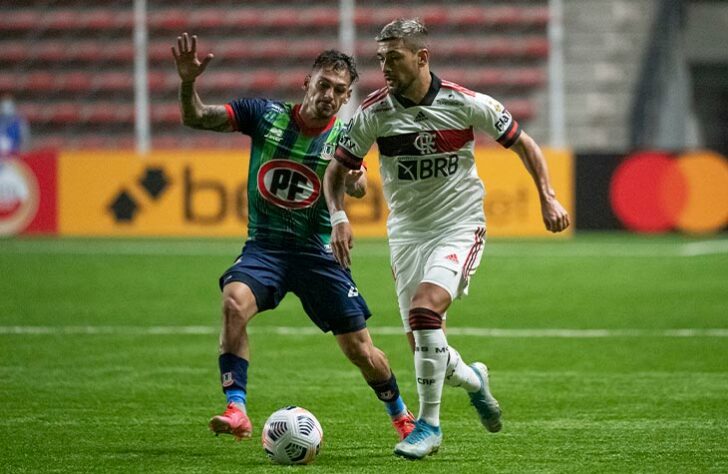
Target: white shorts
448,262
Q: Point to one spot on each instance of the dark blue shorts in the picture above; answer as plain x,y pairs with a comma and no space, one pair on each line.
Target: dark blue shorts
326,290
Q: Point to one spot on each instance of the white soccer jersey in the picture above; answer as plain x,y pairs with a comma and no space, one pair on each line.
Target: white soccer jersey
426,158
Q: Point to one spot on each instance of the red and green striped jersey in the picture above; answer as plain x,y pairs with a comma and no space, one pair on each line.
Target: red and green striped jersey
286,206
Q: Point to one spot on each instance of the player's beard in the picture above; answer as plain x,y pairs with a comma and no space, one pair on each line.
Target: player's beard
398,86
325,110
315,110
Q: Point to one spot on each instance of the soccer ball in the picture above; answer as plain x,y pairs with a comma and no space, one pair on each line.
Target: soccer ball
292,435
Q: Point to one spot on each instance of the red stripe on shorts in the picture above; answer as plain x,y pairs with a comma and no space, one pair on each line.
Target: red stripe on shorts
474,250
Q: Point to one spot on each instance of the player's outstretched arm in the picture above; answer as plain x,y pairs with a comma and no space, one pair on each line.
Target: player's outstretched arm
555,217
195,114
341,236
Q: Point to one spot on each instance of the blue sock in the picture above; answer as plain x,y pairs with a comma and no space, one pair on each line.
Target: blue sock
388,392
234,377
395,407
238,397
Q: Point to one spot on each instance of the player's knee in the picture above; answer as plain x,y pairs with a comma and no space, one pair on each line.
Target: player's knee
234,309
424,318
431,296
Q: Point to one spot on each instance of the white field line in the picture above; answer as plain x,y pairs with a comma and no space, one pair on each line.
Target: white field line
562,249
708,247
382,331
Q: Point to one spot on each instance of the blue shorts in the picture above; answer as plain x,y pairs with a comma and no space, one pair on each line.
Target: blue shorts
326,290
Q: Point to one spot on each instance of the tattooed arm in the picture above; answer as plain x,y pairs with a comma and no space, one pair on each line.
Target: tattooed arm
195,114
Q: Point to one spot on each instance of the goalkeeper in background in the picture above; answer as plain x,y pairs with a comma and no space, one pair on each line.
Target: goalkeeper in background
289,227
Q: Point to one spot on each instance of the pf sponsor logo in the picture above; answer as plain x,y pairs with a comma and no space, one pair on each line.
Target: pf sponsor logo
19,196
288,184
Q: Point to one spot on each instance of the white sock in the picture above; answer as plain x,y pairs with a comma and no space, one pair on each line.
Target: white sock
459,374
430,364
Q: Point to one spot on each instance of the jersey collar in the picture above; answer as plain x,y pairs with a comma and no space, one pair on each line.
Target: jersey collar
310,131
429,98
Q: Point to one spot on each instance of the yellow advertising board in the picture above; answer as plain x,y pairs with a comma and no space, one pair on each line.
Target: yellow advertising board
512,206
173,193
203,193
185,193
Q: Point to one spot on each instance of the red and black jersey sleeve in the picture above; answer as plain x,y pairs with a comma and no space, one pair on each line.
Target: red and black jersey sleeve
348,159
510,136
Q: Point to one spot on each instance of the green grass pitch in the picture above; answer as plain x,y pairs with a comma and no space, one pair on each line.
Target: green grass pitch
608,353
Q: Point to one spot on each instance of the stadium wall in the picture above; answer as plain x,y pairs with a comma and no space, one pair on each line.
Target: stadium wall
652,191
177,193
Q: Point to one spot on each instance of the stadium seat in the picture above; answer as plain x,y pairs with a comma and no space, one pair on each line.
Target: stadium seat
70,62
207,18
18,21
436,16
48,52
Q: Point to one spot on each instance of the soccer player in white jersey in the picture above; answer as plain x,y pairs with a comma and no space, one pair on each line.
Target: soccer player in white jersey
423,126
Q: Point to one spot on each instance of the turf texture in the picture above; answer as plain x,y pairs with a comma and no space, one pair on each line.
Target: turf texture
608,353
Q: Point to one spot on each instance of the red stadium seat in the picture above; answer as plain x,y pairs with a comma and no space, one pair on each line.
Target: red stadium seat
477,79
268,17
51,52
18,20
97,113
435,16
70,62
112,52
11,53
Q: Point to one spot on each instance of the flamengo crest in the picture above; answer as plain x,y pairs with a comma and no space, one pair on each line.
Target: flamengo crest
425,143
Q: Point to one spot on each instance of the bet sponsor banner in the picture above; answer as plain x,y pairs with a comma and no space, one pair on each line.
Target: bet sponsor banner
512,205
184,193
203,193
169,193
28,194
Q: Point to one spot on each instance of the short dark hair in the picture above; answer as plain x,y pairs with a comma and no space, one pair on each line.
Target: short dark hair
337,61
410,30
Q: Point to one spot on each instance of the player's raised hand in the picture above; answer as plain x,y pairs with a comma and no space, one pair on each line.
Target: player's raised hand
342,243
554,215
185,56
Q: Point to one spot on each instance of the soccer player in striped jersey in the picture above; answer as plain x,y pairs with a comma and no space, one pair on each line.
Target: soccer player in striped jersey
423,126
288,227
